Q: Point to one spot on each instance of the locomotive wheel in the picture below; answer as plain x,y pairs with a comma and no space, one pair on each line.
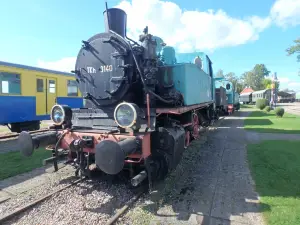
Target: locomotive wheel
196,126
159,167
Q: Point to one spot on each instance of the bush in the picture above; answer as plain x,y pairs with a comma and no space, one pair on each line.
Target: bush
268,108
261,103
279,112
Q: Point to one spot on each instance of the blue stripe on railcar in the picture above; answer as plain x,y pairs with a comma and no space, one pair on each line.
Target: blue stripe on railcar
71,102
14,109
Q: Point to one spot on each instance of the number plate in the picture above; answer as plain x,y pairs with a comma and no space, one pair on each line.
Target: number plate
106,68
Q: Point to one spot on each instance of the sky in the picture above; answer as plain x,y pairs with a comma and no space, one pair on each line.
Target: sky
235,34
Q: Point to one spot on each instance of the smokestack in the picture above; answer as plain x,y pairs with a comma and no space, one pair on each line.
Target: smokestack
117,19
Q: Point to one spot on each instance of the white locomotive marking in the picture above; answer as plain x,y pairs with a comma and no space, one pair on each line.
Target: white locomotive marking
91,69
106,68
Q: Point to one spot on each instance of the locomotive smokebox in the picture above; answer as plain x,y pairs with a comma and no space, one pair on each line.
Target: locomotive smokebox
117,19
110,155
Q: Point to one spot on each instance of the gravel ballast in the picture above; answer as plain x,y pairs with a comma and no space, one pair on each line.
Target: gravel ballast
88,202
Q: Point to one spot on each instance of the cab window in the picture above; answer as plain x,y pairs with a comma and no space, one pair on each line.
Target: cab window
39,85
72,88
52,86
10,83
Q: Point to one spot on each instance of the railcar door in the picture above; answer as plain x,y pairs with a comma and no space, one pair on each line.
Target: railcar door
41,96
51,93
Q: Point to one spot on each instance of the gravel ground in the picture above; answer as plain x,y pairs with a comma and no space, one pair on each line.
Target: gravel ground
211,185
55,181
89,202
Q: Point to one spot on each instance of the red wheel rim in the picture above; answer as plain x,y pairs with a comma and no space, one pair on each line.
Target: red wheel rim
195,121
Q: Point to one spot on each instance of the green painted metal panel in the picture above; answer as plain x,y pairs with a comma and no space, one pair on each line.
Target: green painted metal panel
193,83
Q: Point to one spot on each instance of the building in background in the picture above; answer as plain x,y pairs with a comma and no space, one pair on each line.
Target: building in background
247,90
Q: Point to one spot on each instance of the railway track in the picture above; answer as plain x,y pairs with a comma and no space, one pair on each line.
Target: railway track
30,205
9,136
35,202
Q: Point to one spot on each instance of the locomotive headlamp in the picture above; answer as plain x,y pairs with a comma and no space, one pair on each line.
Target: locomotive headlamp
60,114
127,115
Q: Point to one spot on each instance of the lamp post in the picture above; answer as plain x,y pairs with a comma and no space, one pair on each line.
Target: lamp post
274,89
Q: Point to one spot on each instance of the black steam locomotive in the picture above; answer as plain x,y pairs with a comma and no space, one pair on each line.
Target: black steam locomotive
135,117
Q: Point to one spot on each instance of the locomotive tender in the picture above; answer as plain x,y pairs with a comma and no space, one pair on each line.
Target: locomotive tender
228,100
143,105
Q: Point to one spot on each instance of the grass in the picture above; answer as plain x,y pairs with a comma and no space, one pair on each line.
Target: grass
13,163
3,129
247,106
263,122
275,167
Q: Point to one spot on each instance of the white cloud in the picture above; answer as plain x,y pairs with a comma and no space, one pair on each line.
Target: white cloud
284,80
286,13
190,30
194,30
65,64
294,85
290,83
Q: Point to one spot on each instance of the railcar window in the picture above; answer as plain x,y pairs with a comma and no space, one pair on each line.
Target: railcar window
10,83
39,85
72,88
51,86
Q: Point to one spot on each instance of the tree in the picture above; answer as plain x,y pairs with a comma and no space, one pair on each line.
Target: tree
277,85
295,49
268,84
238,86
255,77
261,70
220,74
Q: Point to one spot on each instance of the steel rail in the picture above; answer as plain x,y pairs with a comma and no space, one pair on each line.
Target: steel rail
7,136
113,219
33,203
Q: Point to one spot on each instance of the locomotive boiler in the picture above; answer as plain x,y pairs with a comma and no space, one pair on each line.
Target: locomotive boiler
143,104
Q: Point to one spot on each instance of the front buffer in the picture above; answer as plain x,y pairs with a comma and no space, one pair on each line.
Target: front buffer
87,151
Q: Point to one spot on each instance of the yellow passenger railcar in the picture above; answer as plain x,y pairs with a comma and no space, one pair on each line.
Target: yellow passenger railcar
27,95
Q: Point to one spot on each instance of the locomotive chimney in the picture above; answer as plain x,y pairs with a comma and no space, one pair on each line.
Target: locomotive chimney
116,22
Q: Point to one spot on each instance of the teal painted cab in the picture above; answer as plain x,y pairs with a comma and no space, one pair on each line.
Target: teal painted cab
222,82
194,84
236,98
193,79
190,74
